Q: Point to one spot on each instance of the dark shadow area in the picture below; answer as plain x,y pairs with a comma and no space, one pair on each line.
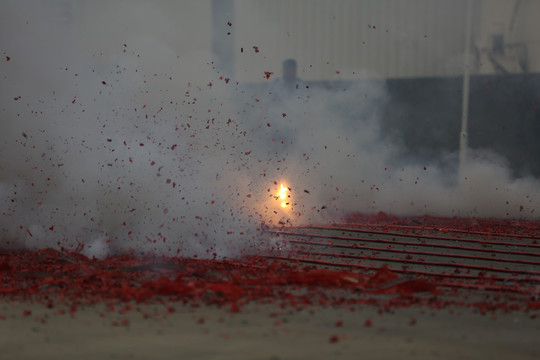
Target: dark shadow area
424,115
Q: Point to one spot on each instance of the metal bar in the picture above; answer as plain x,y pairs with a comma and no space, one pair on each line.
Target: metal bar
401,271
426,253
446,230
423,262
443,238
375,240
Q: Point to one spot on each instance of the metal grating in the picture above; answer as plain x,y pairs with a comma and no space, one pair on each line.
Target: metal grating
452,257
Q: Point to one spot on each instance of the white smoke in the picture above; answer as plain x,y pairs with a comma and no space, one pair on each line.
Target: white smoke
114,141
347,166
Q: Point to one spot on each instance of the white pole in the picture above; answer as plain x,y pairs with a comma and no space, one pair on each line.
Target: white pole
466,85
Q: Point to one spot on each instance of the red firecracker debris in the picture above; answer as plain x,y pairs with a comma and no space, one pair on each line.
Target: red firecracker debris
66,279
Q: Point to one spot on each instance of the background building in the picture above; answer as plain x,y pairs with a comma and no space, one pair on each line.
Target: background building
346,39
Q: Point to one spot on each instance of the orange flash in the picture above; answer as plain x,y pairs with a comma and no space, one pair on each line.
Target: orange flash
282,194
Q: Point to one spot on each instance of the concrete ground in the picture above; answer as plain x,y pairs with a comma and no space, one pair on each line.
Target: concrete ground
174,331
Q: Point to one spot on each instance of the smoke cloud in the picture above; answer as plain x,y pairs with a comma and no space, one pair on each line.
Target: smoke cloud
113,140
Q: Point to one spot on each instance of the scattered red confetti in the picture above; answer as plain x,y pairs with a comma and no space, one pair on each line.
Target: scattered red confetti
124,322
339,323
267,74
534,306
368,323
128,278
334,339
283,114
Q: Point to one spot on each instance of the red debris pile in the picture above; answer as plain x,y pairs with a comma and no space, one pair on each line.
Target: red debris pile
70,279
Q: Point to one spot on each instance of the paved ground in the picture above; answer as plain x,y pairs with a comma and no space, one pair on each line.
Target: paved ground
263,332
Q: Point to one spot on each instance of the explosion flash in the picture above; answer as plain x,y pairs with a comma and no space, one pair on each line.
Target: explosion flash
282,195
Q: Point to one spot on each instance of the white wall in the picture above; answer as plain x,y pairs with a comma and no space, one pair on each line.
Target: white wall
376,38
175,28
528,32
339,39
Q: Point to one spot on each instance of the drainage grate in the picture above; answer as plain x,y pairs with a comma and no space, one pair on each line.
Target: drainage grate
484,256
